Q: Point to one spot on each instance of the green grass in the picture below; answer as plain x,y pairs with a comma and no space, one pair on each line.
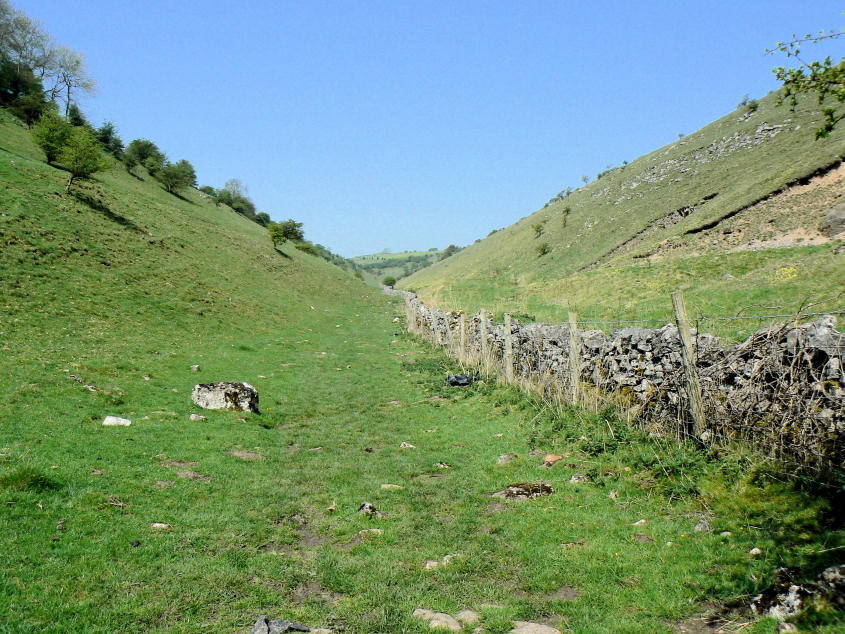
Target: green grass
584,269
109,296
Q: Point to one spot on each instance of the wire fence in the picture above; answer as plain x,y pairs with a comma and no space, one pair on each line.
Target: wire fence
780,390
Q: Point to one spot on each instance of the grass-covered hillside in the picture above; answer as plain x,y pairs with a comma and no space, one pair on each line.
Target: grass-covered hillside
701,214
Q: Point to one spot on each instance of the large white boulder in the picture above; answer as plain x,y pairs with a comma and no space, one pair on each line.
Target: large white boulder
241,397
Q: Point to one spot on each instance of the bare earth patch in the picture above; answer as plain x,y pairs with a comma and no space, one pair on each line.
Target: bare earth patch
193,475
244,455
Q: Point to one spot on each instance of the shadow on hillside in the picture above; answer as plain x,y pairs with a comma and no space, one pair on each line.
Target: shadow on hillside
97,204
182,198
280,252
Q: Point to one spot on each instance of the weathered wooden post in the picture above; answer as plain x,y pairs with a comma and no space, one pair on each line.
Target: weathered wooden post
485,352
574,358
690,372
508,350
463,338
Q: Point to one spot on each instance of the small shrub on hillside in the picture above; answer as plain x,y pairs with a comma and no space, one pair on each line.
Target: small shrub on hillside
752,106
82,156
389,281
51,133
307,247
538,229
566,211
542,249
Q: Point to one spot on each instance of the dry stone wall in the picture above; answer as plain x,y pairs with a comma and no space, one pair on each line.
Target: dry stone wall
783,389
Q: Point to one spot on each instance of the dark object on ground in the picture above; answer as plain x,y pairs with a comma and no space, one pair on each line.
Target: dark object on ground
525,491
786,597
461,380
276,626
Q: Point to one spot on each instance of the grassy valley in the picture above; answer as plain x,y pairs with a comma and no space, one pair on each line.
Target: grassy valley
377,266
112,292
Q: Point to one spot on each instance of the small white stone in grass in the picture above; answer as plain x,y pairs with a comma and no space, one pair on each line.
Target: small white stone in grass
448,559
639,523
432,564
392,487
195,368
115,421
725,534
670,543
406,445
197,417
422,613
160,526
755,552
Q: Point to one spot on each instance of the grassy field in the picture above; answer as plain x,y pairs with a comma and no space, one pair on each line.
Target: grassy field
110,294
613,255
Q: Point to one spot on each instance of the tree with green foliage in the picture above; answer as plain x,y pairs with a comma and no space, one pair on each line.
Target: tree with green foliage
308,247
389,281
143,149
291,230
263,218
450,250
277,235
76,117
107,136
51,133
176,176
825,79
82,155
542,249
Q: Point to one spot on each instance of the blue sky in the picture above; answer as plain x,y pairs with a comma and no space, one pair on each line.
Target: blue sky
411,125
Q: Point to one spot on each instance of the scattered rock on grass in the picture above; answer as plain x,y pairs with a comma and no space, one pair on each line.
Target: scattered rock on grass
197,417
406,445
703,526
160,526
368,509
525,627
438,620
755,552
505,458
642,538
614,495
115,421
195,368
468,617
277,626
241,397
641,522
578,478
550,459
525,491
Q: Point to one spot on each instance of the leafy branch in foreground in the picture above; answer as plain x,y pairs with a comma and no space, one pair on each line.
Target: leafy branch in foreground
824,79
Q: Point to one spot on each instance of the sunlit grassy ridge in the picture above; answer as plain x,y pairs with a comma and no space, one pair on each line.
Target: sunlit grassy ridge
725,167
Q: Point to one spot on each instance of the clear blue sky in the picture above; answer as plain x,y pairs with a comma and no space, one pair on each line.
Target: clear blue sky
411,125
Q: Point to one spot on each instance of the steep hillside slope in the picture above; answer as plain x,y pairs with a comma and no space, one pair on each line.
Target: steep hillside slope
615,246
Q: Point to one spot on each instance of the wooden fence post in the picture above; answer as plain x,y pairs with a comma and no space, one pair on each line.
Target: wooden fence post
690,372
574,357
485,356
508,350
463,340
